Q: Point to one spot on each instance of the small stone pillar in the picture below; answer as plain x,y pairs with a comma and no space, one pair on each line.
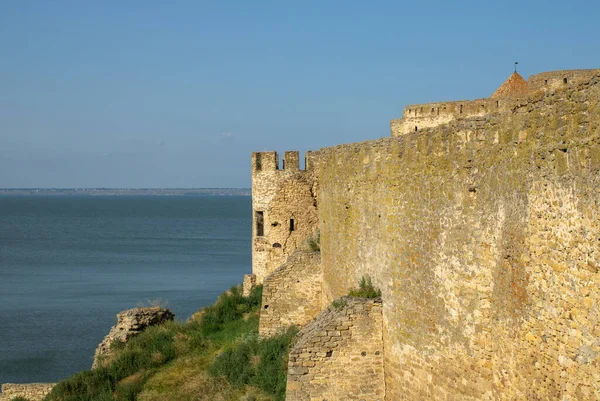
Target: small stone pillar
249,284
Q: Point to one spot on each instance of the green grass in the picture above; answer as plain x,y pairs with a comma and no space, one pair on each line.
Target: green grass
196,360
365,289
259,363
314,242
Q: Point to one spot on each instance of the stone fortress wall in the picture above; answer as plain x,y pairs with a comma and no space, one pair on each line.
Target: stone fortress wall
482,235
283,209
419,116
292,293
339,355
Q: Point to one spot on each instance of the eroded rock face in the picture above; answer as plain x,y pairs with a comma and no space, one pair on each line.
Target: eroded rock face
130,323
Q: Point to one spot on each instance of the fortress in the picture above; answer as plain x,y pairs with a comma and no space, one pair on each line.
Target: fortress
480,223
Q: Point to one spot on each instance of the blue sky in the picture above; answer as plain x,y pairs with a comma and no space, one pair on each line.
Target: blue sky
179,93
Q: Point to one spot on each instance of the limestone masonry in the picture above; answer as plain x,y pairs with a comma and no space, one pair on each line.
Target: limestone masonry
130,323
30,391
478,220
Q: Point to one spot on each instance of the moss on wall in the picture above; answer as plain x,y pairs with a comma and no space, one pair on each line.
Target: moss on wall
482,235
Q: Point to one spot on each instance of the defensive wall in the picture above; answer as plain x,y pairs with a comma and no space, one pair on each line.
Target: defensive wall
292,293
482,234
284,211
420,116
339,355
483,237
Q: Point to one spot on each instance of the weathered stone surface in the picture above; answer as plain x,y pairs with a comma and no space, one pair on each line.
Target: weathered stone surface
482,234
284,205
483,237
29,391
249,284
292,294
512,94
326,364
130,323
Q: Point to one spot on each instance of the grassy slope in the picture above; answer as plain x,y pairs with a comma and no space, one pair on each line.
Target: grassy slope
214,356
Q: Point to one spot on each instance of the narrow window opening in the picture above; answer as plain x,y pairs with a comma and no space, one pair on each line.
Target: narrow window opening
565,80
292,228
461,109
432,109
283,164
497,104
258,162
545,82
416,128
260,223
438,111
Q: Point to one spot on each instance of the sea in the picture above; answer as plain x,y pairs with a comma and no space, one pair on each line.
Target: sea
69,264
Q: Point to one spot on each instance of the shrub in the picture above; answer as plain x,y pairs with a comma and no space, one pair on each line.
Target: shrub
314,242
365,289
229,307
271,371
261,363
133,363
338,303
236,364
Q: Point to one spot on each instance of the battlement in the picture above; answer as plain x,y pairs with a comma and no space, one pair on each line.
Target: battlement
269,161
416,117
513,92
559,79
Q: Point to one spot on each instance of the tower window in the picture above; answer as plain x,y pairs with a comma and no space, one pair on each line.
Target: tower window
259,217
565,80
416,128
258,162
292,226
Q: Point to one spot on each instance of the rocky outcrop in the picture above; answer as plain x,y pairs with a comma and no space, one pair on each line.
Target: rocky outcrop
30,391
130,323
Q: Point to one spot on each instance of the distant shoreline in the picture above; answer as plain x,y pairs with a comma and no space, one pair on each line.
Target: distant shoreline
127,191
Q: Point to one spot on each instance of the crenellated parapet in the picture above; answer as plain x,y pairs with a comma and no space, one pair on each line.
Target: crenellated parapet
559,79
477,227
284,208
512,93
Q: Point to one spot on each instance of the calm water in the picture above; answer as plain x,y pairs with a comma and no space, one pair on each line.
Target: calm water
69,264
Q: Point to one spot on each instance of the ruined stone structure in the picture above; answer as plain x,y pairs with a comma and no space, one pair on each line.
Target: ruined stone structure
292,293
511,94
284,208
481,229
130,323
30,391
339,355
